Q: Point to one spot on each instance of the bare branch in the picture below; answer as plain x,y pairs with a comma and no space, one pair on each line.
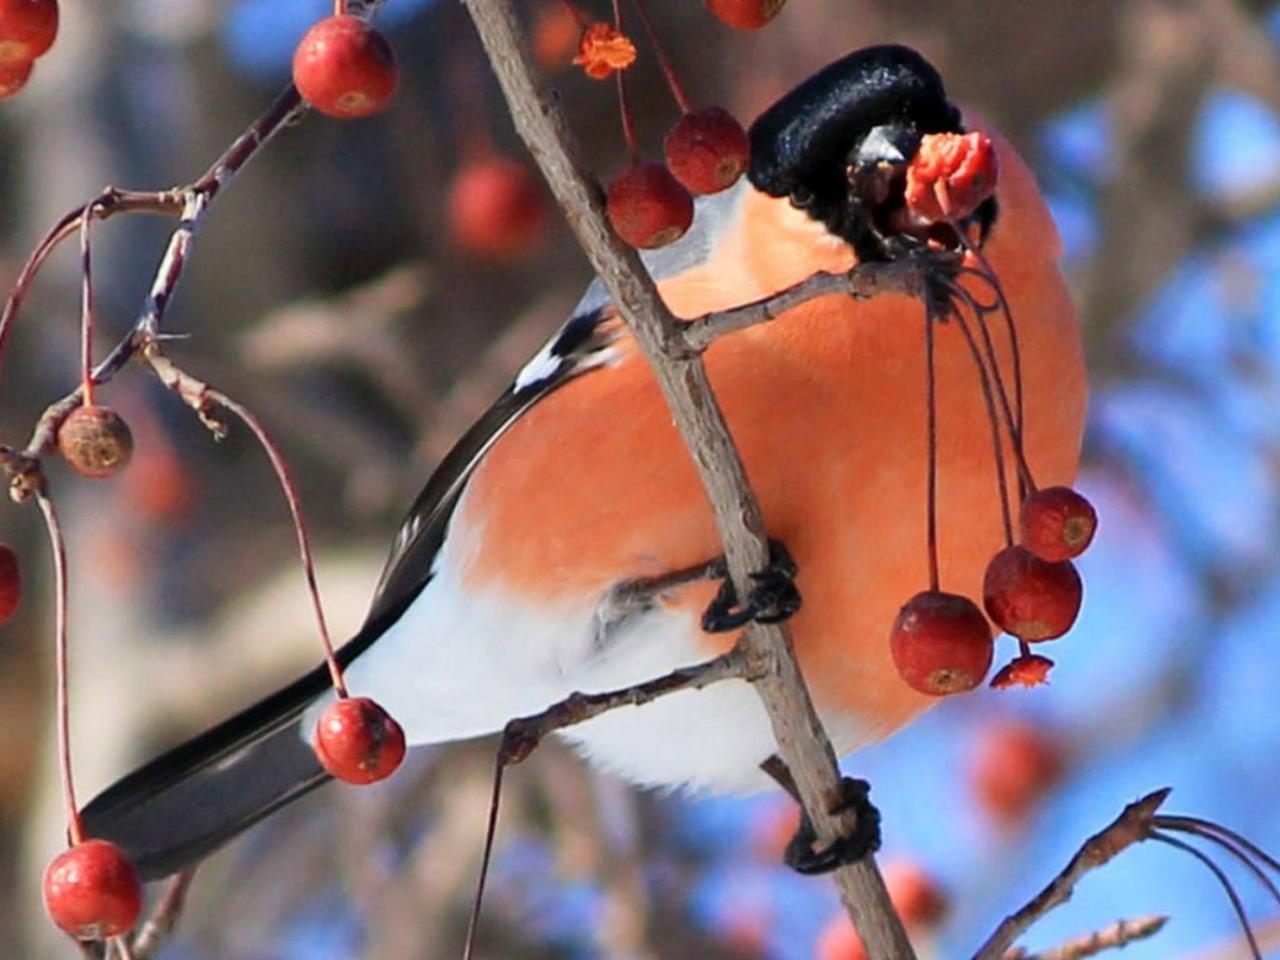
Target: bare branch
864,281
1119,934
802,743
164,918
1133,825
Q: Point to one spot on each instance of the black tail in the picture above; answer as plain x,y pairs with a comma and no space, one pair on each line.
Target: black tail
188,802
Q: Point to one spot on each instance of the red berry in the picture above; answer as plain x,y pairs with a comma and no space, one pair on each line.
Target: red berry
915,894
1014,765
10,582
1057,523
745,14
839,941
648,206
1031,598
555,36
14,76
951,175
92,891
359,742
707,150
345,68
496,208
941,643
27,29
95,441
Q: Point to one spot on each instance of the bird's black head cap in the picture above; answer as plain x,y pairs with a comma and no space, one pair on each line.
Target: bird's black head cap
871,106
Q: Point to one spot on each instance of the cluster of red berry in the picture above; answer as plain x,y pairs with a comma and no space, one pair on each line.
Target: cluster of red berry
941,642
27,31
651,204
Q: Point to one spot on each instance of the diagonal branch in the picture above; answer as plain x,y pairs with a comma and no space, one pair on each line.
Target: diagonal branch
1117,935
1132,826
802,743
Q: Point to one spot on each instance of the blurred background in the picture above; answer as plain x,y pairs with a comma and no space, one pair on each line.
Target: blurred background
337,291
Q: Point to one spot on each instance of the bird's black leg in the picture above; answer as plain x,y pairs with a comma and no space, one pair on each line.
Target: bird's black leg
772,599
800,854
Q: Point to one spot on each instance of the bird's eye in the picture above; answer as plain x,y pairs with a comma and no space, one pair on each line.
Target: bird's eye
801,197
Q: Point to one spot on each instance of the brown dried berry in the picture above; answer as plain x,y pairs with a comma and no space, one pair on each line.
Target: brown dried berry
745,14
1057,523
95,441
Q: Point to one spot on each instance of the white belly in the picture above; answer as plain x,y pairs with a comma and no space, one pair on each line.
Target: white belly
460,665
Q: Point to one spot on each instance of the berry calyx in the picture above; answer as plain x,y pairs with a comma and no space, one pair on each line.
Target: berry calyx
27,29
358,742
941,643
707,150
951,175
603,50
496,208
745,14
345,68
1057,523
10,583
92,891
1031,598
648,206
1028,670
1013,766
14,76
95,441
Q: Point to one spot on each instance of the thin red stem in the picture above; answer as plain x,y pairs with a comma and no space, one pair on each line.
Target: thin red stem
299,526
624,107
74,827
932,492
87,318
486,855
339,7
1002,482
664,62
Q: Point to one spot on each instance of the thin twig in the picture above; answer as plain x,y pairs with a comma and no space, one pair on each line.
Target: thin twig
1119,934
523,734
201,397
802,742
1132,826
864,281
74,827
164,918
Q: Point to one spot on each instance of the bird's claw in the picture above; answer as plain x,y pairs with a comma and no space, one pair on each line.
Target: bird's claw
773,597
800,854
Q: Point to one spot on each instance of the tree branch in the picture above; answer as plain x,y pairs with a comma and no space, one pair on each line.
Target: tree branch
802,743
1119,934
1133,825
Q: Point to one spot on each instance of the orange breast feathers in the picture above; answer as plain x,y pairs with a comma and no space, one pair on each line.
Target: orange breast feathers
828,407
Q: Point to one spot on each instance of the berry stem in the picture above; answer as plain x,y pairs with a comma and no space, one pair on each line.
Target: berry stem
74,827
87,318
1026,483
664,62
299,526
486,855
932,492
628,121
989,274
339,7
1002,482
